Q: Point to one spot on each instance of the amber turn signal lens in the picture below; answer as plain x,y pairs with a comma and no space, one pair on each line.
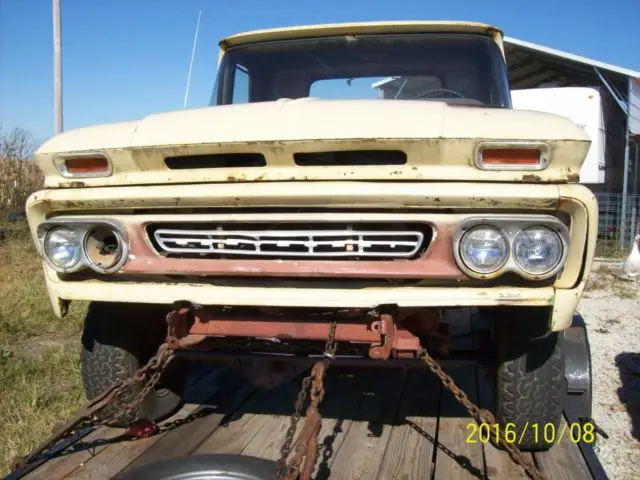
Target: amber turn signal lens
510,156
82,165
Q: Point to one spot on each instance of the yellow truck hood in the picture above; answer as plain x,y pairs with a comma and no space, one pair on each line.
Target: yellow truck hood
438,139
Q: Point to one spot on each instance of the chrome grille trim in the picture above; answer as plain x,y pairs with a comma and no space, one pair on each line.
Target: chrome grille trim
291,243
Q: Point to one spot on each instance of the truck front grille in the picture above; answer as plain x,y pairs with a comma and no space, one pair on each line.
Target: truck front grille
290,243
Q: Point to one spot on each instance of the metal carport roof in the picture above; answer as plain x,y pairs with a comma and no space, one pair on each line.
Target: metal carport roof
531,64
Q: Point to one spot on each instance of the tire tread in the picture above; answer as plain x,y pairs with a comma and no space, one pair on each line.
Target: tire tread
530,384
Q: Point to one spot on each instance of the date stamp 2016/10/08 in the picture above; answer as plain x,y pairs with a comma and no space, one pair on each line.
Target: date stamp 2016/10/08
548,433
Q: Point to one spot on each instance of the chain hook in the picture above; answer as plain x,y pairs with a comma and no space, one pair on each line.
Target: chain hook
306,451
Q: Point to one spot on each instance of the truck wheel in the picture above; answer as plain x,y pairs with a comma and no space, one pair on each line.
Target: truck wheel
530,382
116,341
216,466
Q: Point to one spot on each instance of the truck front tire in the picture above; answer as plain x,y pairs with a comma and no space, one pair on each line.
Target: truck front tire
117,340
530,382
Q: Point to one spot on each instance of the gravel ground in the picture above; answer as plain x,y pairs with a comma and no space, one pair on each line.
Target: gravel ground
611,309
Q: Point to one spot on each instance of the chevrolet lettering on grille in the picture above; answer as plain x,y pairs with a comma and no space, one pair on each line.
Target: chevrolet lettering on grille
291,243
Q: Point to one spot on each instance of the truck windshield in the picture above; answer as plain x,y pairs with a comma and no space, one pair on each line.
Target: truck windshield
456,68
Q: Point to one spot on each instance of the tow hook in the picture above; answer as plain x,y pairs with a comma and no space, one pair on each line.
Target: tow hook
181,318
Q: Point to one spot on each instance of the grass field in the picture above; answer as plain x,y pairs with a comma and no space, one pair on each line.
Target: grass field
39,371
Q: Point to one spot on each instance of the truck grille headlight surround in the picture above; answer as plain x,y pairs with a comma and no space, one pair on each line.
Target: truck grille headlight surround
62,247
484,249
537,250
103,248
534,247
70,245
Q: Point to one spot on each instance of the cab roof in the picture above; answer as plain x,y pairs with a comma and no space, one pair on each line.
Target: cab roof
362,28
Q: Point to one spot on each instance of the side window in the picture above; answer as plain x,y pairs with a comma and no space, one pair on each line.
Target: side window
240,85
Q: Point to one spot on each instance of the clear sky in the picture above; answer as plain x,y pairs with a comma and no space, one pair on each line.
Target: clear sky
124,59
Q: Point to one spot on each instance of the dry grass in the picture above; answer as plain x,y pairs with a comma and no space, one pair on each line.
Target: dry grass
19,175
610,247
39,371
605,279
20,178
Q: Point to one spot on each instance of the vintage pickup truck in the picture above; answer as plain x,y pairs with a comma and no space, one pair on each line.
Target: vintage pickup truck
318,187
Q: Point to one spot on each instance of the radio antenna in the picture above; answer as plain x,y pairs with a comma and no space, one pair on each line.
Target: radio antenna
193,53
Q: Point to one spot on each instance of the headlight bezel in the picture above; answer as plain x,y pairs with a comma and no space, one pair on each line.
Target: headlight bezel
78,254
515,249
511,226
484,226
82,228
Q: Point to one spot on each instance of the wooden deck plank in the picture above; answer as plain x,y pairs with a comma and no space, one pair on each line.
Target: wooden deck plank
410,452
270,436
99,439
184,439
342,398
340,404
363,448
498,462
339,407
563,461
376,424
118,456
236,432
93,444
81,452
455,457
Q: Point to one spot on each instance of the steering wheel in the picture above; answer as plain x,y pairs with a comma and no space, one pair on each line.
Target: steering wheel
443,90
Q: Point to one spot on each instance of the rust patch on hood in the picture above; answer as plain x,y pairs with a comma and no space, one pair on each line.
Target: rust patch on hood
75,184
573,177
237,178
530,177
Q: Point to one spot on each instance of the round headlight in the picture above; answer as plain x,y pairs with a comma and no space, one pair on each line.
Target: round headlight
484,249
62,247
537,250
103,247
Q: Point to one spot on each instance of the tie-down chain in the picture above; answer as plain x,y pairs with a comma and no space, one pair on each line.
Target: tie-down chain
306,450
147,375
307,444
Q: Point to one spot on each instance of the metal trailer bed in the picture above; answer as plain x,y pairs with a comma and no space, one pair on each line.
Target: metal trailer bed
377,423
